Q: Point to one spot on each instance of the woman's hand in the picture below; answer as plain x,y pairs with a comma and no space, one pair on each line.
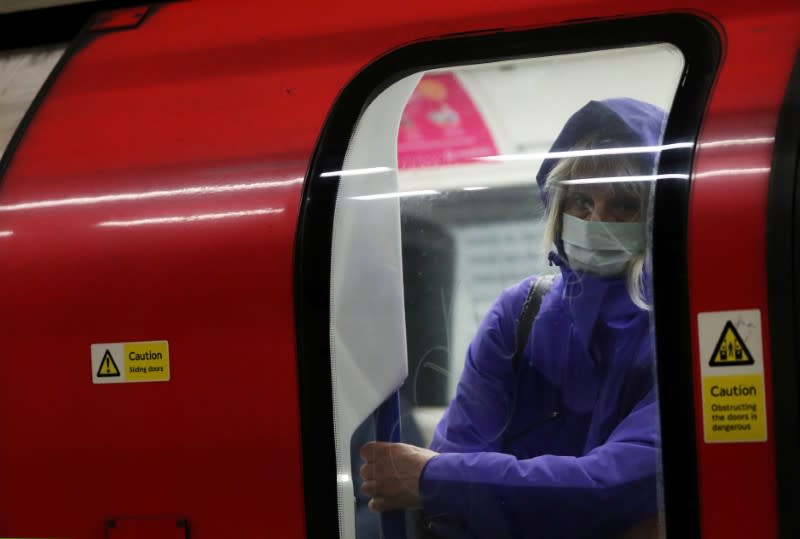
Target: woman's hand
391,474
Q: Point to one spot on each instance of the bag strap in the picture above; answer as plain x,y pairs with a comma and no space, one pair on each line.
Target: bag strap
540,286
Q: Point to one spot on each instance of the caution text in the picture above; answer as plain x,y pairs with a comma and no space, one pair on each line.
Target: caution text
734,391
134,356
734,408
147,361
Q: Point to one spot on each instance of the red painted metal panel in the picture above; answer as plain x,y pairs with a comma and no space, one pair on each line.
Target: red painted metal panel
155,196
166,211
727,256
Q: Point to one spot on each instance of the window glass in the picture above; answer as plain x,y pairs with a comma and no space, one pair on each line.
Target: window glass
459,185
22,73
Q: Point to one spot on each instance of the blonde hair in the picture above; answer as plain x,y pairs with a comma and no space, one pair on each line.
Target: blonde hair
600,166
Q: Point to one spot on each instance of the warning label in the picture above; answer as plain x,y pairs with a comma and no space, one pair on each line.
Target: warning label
119,363
730,349
731,359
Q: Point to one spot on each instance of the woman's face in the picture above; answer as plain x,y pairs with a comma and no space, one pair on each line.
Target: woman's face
601,202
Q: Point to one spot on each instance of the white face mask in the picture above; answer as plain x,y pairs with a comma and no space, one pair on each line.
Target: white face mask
601,247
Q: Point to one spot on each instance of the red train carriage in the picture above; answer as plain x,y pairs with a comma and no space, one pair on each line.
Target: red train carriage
234,235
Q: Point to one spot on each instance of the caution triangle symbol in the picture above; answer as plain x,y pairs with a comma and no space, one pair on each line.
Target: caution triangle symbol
107,366
730,350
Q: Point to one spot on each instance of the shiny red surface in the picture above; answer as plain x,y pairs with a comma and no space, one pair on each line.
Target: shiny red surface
205,116
727,246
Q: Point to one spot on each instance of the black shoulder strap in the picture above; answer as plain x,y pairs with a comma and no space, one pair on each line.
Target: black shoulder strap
530,309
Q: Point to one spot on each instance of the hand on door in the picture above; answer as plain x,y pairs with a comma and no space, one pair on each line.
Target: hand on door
391,474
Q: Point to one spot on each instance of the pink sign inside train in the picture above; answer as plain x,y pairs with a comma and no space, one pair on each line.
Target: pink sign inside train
441,126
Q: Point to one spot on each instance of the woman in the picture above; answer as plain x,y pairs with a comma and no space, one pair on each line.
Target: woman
566,445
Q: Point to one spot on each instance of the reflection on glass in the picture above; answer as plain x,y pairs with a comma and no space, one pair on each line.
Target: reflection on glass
567,443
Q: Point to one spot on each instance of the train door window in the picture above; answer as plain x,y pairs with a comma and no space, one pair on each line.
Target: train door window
22,74
463,196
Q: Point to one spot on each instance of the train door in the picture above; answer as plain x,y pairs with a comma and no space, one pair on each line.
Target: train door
423,206
147,266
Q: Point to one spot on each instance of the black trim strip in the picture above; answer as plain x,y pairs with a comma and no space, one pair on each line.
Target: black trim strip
783,273
700,45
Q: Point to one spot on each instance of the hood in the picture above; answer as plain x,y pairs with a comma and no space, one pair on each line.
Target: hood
622,121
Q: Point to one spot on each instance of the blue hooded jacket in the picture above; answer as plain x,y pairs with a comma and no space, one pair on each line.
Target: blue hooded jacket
567,446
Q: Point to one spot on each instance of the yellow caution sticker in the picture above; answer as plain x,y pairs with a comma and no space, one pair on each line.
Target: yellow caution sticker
733,408
732,367
120,363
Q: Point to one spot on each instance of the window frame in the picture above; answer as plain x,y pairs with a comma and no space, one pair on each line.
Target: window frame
699,42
